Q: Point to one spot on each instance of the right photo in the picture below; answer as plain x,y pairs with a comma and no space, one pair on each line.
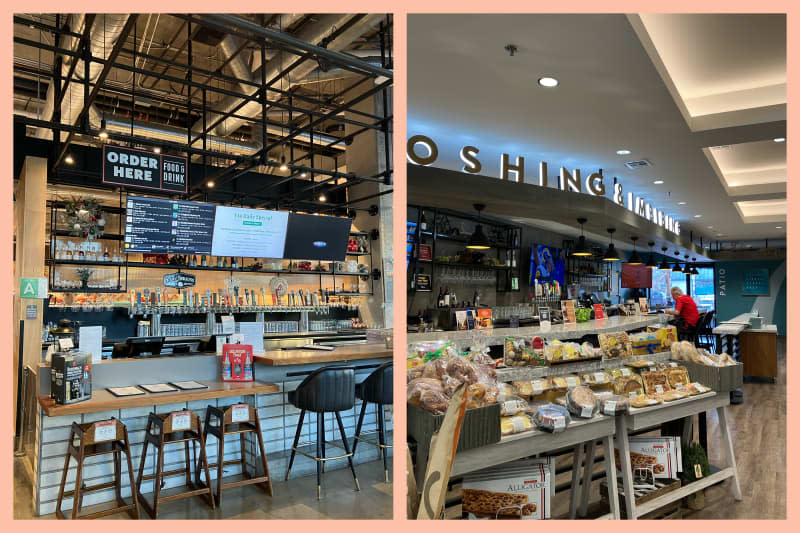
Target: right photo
596,266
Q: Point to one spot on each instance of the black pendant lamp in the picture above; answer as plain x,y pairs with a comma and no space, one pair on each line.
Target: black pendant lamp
677,267
651,261
688,268
478,240
634,259
694,271
611,252
582,249
664,265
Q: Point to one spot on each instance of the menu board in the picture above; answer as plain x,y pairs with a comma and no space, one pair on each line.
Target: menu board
244,232
154,225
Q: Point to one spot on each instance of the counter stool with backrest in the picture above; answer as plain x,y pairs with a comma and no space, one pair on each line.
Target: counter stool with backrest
329,389
376,388
239,419
173,428
98,438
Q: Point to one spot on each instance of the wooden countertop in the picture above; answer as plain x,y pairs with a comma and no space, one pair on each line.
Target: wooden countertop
102,400
341,353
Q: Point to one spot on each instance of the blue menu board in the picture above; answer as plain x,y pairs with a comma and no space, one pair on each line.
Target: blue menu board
755,282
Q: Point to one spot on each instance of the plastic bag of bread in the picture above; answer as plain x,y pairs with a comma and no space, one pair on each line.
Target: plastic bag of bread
614,404
581,402
562,351
552,418
476,395
620,372
435,369
462,369
434,401
534,387
672,395
588,351
562,383
596,378
693,388
629,386
416,387
414,373
512,406
615,345
655,382
534,405
677,375
644,401
510,425
506,390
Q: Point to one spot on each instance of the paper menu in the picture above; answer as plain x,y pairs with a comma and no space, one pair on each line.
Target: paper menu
91,341
253,333
228,324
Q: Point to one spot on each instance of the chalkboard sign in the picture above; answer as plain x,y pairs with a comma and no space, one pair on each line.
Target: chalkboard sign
755,282
180,280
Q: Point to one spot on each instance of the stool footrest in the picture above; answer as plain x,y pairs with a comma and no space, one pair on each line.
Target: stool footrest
108,512
225,463
243,482
323,459
100,486
168,473
372,442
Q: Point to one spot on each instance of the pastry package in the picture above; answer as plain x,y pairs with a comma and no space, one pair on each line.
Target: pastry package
666,335
693,388
520,352
561,400
645,343
512,406
629,386
614,404
416,387
562,351
620,372
655,382
420,352
479,352
534,387
534,405
641,363
644,401
615,345
677,375
596,378
581,402
588,351
476,395
672,395
562,383
431,385
435,369
505,390
515,424
552,418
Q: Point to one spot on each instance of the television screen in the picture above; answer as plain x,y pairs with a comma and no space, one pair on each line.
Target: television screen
159,226
315,237
547,264
242,232
636,277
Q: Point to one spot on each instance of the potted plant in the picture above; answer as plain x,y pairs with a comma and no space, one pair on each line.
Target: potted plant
695,467
84,274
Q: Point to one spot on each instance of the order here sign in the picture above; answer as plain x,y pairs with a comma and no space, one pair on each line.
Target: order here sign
144,170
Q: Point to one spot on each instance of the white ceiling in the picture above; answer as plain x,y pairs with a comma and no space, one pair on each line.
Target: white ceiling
465,89
756,168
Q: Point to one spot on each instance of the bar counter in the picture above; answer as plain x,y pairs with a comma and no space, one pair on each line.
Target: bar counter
352,352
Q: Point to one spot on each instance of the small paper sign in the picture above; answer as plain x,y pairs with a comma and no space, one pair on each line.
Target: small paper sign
698,471
537,387
659,389
240,413
609,407
105,430
181,421
571,381
586,412
425,252
632,394
560,422
65,344
228,324
599,314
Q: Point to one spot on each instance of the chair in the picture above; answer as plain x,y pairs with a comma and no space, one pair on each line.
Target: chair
173,428
705,334
328,389
98,438
376,388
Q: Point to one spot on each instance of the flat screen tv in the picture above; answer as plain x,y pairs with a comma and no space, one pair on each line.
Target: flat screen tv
547,264
636,277
241,232
316,237
161,226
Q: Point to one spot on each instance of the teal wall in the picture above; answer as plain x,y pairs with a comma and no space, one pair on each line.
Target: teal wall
728,291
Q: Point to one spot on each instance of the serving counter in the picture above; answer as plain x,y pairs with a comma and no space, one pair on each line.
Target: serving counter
276,373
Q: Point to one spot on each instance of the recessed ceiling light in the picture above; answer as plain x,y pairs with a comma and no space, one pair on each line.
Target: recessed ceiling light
658,182
548,82
322,197
698,216
711,227
623,152
69,159
778,227
779,139
749,245
681,203
157,149
210,184
303,175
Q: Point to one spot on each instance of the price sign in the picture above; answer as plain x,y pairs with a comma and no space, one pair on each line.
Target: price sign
181,421
240,413
105,430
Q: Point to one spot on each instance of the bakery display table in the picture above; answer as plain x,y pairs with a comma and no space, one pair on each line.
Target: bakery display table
648,417
512,447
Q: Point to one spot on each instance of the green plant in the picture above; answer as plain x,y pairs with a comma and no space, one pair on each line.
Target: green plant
694,454
84,274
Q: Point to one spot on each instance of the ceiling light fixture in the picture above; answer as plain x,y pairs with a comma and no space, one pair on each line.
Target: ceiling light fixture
478,240
677,267
779,139
658,182
69,159
582,249
687,269
103,134
634,259
210,184
284,167
664,265
681,203
611,252
304,174
651,261
548,82
623,152
698,216
157,149
778,227
322,197
694,271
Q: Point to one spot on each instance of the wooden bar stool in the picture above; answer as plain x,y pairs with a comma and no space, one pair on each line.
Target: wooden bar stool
173,428
376,388
98,438
236,419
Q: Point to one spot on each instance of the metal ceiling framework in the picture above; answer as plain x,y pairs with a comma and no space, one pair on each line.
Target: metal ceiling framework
303,139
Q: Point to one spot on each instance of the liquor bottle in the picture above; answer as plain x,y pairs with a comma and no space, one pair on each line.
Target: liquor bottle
440,299
106,257
219,262
234,263
513,259
453,298
446,302
423,224
81,257
203,261
193,261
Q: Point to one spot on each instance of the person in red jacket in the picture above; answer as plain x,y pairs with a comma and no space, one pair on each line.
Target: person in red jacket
685,310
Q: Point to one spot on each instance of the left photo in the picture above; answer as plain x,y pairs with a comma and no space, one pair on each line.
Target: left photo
203,266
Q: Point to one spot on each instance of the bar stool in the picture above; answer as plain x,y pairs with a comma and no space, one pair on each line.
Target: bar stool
173,428
376,388
98,438
239,419
329,389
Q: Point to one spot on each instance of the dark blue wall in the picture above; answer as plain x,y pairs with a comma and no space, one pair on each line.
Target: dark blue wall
728,291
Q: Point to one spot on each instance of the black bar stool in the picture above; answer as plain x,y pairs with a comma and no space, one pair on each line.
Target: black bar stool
236,419
329,389
98,438
376,388
173,428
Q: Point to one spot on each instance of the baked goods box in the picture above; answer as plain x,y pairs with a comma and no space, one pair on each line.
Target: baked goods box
481,426
717,378
515,491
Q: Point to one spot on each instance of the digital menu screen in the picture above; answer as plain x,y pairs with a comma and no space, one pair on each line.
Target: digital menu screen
154,225
244,232
315,237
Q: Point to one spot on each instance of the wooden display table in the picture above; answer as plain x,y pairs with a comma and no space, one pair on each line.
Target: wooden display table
351,352
102,400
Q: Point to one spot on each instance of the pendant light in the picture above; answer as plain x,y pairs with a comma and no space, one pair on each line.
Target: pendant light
611,252
651,261
694,271
103,134
688,268
677,267
581,249
634,259
478,240
664,265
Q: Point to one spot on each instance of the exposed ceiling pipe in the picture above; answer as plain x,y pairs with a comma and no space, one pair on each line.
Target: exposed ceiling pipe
102,37
336,73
